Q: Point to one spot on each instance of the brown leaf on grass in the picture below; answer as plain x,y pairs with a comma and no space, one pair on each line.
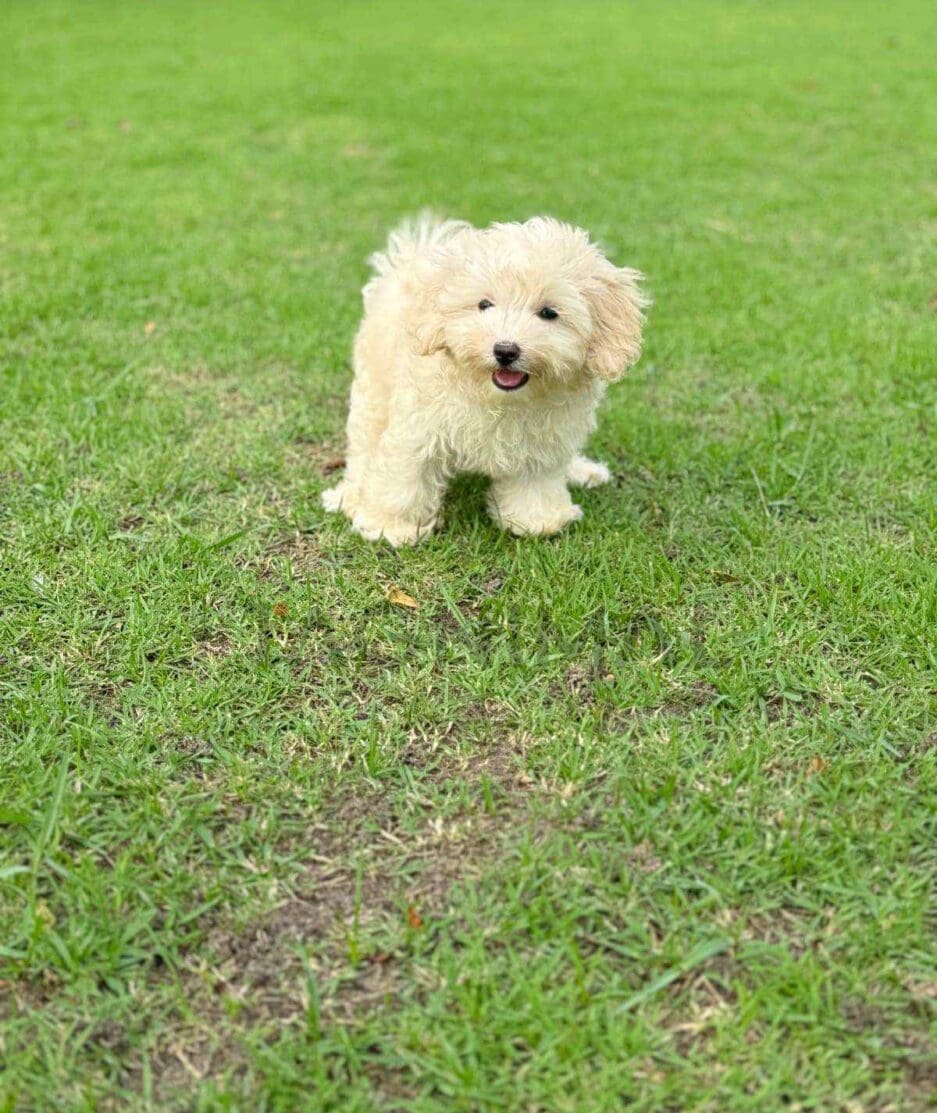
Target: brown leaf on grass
414,919
922,991
400,598
149,328
280,610
816,765
725,577
335,464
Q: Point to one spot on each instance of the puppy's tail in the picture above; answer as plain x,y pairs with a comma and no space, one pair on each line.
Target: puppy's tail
415,237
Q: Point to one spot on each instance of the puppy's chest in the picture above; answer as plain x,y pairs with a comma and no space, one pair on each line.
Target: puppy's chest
507,439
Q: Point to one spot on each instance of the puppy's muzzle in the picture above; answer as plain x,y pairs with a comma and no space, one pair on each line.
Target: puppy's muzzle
505,377
506,353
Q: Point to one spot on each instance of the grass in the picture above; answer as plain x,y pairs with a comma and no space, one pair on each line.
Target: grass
641,817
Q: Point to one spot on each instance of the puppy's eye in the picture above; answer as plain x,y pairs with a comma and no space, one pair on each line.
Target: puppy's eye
485,304
548,313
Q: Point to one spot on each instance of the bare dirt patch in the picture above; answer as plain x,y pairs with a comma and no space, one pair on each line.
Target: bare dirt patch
324,457
303,551
218,645
914,1048
580,682
339,944
496,755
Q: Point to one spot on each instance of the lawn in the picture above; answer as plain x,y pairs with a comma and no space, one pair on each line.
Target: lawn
639,817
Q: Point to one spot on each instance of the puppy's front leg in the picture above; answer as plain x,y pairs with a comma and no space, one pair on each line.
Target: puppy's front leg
402,491
532,504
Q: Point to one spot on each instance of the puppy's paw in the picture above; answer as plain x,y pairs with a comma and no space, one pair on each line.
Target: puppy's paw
583,472
542,523
545,526
333,499
396,531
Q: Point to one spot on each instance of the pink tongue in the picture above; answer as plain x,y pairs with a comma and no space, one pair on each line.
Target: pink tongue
503,377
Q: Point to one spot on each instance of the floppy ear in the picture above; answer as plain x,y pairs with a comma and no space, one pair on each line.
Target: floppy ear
617,318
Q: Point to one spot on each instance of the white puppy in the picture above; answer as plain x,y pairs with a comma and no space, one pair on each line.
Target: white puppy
483,351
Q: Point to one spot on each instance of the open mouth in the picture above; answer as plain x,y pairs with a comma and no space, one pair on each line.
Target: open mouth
506,379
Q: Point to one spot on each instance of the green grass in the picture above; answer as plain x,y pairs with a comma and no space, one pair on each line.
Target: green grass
642,817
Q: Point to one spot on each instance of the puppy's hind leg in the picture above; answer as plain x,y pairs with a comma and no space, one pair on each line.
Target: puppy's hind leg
367,419
334,499
583,472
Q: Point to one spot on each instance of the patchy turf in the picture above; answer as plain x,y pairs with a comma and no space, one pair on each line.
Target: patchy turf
640,817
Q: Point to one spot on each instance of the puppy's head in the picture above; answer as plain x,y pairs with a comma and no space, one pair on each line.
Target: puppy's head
534,302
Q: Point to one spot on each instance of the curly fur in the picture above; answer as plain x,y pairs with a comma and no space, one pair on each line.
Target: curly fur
424,404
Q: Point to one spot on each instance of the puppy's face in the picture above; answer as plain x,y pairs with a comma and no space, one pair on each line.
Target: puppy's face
533,303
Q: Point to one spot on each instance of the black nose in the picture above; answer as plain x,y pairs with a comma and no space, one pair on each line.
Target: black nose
506,353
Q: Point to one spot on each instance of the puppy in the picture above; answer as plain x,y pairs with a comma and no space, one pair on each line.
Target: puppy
483,351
